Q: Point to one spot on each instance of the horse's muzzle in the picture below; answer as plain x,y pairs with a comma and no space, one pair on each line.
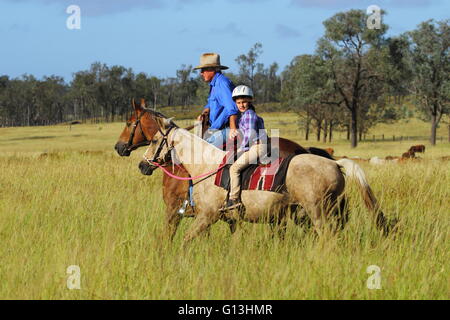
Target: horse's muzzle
122,149
146,168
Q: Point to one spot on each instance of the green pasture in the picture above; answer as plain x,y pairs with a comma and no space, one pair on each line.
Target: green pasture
66,198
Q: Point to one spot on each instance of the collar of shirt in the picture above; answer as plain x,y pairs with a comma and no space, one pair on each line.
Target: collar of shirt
213,81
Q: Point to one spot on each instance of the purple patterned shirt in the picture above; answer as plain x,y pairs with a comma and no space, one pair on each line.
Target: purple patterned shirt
251,127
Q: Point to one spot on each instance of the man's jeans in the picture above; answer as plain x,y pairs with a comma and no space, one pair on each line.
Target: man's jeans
217,137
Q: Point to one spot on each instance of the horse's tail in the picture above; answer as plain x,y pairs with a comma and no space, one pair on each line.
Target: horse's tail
354,171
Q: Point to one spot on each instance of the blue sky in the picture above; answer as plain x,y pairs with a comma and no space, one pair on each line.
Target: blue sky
158,36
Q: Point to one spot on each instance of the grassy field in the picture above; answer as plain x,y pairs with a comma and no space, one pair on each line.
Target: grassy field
67,199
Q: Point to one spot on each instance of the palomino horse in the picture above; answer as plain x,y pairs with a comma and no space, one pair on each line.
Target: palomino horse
314,183
140,130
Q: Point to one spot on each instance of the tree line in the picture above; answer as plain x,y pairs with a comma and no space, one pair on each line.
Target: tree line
104,92
354,80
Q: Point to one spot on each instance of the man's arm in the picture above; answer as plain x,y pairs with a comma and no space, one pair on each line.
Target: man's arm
225,99
230,110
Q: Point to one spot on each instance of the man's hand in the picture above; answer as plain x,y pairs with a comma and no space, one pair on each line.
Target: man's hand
233,133
204,114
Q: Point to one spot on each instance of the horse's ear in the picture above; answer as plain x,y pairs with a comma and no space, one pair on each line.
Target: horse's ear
137,108
168,122
142,103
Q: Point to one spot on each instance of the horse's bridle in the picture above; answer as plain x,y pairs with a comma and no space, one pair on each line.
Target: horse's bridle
164,142
130,146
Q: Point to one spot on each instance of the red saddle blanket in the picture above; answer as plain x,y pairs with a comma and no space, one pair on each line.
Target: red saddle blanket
270,177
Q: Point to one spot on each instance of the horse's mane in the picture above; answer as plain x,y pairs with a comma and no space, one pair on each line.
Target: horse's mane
159,117
154,113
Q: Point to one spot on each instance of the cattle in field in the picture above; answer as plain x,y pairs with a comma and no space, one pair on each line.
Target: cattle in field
417,148
409,155
330,151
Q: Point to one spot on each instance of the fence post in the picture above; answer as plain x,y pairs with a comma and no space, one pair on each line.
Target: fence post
393,138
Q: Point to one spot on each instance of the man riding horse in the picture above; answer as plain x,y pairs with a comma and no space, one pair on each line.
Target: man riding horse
220,109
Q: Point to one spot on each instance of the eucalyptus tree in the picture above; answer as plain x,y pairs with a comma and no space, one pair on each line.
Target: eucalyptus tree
186,86
344,47
431,70
49,100
248,65
82,95
308,90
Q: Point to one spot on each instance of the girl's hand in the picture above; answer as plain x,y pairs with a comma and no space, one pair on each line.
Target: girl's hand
233,133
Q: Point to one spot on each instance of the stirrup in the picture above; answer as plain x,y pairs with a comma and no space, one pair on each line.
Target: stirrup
234,211
182,210
228,206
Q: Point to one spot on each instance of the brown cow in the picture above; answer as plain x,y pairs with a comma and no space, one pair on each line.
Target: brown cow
330,151
409,155
417,148
390,158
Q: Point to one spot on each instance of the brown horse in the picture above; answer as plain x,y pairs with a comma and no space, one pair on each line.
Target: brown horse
140,129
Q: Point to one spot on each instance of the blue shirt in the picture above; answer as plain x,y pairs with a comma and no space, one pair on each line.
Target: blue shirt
251,127
220,103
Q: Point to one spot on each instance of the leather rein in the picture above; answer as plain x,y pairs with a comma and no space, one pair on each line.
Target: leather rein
164,142
130,146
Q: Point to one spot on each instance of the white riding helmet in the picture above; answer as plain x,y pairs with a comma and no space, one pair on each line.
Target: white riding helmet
242,91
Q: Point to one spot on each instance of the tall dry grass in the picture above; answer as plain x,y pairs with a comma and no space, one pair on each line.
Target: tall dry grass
62,206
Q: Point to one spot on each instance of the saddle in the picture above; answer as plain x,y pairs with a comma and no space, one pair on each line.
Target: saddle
269,177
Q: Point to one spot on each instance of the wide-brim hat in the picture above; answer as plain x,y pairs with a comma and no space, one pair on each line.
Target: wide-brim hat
210,60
